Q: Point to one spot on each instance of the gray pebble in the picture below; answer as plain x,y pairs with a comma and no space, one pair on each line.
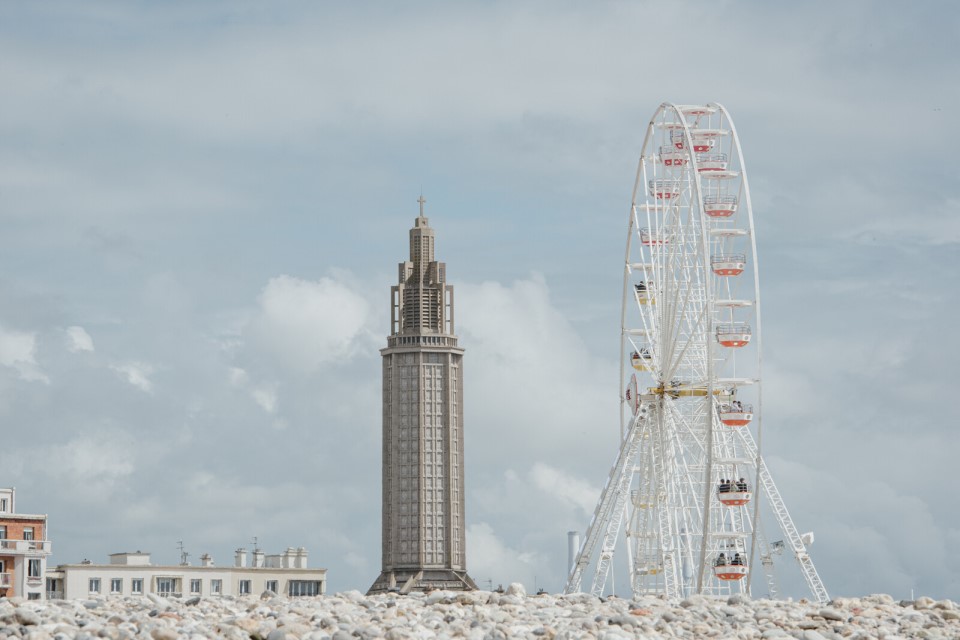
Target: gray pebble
831,614
26,616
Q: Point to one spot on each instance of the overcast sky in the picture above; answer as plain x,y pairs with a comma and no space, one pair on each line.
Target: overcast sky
202,206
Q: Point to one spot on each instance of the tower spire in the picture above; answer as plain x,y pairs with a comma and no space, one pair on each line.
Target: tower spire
422,201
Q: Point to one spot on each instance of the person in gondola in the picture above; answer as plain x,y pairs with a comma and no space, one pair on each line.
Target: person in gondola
742,485
737,406
721,560
737,560
724,485
641,286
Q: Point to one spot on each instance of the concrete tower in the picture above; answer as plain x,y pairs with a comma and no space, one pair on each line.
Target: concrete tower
424,541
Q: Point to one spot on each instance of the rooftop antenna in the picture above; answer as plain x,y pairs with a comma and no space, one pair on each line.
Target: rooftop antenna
256,546
183,554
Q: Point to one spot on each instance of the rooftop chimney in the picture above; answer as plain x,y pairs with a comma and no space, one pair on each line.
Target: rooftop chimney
240,559
206,560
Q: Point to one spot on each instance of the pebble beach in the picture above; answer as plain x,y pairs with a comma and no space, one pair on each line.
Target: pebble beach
476,615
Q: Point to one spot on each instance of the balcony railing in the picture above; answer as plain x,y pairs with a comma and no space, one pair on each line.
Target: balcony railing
25,546
54,595
6,580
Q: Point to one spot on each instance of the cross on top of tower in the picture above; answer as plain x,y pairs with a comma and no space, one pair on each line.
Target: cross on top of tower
422,201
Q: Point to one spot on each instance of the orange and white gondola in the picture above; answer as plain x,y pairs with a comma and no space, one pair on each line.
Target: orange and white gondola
641,360
644,294
703,141
729,265
711,162
736,414
673,157
664,189
733,335
730,571
653,238
697,110
720,206
734,498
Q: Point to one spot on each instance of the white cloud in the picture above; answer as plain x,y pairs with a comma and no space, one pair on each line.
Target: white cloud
491,559
88,467
137,374
304,325
17,351
266,397
238,377
78,340
265,394
551,393
565,486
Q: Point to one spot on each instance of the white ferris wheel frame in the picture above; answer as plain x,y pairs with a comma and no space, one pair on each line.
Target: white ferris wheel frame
670,181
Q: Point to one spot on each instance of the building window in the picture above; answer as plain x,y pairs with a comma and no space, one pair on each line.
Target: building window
3,533
194,586
244,587
33,596
304,587
136,586
167,586
33,568
28,533
216,586
272,586
3,505
116,585
94,585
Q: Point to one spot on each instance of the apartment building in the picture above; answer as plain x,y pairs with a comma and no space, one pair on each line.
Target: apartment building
132,574
23,549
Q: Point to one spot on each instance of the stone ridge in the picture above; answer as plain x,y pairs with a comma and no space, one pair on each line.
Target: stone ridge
476,614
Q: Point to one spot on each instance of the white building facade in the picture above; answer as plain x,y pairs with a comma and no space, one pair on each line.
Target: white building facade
132,574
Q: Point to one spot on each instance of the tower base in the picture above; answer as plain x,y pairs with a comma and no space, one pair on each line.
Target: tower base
407,580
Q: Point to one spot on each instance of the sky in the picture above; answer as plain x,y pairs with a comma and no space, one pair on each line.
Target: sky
202,206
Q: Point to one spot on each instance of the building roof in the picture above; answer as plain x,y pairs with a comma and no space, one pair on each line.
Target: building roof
22,516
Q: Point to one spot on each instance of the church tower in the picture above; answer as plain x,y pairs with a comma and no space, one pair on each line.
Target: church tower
424,538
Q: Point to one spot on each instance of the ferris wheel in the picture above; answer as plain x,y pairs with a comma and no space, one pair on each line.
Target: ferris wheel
682,504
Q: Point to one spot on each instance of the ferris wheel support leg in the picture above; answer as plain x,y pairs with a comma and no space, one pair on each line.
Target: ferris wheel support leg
766,561
609,514
789,530
665,464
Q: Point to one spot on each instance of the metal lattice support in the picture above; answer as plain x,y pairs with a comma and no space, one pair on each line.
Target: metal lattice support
682,489
608,516
789,530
